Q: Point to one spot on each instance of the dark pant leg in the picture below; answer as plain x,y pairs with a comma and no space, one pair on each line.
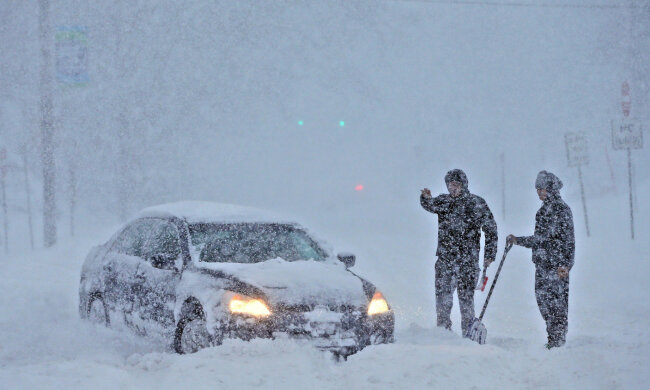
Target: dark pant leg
559,319
468,277
541,293
552,295
445,284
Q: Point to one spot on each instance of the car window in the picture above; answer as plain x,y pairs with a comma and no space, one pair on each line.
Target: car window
132,239
163,240
304,245
252,243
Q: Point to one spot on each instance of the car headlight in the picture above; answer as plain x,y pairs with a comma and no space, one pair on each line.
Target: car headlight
240,304
377,305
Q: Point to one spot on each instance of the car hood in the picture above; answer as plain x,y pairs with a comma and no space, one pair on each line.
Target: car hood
304,282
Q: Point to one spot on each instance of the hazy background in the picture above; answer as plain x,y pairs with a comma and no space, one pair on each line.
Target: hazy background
201,100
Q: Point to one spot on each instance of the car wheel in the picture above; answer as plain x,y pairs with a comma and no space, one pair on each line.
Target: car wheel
97,313
192,334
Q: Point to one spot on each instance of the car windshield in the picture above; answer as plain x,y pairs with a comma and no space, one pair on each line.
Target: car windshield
252,243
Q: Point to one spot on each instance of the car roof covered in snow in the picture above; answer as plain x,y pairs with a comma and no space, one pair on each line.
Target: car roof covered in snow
211,212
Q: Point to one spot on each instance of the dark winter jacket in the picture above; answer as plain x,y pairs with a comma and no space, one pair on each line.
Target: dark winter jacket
553,243
460,221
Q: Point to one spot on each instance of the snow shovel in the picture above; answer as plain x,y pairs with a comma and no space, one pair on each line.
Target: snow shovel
477,331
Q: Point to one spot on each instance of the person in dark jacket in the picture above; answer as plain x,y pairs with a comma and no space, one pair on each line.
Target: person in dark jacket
553,246
461,217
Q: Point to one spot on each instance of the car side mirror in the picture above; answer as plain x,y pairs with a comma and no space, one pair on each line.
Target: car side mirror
163,261
347,258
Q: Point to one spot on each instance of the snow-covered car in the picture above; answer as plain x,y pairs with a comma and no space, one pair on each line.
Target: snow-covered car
197,273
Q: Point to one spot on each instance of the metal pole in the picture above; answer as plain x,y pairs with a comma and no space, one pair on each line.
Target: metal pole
503,185
629,171
3,170
584,203
611,170
47,128
29,201
73,194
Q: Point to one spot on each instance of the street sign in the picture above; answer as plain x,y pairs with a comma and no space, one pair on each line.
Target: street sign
72,55
627,134
576,149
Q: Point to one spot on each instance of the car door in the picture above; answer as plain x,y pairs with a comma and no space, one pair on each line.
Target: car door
119,269
157,277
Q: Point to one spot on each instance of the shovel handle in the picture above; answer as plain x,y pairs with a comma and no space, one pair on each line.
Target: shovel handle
496,276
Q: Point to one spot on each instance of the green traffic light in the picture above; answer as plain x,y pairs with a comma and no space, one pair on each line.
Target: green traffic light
300,123
342,123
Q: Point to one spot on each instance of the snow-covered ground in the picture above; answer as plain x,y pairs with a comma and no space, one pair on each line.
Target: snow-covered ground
44,344
291,104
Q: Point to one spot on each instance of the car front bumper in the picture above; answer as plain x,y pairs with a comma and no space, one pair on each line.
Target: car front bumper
344,332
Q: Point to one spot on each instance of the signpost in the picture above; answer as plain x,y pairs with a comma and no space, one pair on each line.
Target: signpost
627,134
577,156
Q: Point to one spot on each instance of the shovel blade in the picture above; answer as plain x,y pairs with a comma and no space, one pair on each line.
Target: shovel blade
477,332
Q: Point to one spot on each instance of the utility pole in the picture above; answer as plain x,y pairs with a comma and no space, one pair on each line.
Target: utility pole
72,192
3,173
28,197
47,126
123,151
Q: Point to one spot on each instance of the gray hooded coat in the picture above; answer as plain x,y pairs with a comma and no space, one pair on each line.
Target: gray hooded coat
553,243
460,221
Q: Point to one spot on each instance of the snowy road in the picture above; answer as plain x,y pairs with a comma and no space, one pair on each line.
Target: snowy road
43,344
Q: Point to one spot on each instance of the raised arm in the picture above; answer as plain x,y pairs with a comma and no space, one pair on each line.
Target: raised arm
431,204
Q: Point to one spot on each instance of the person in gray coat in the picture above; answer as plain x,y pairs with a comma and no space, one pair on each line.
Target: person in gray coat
461,217
553,246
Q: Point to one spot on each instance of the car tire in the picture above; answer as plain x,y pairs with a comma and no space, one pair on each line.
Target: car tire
192,332
96,311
